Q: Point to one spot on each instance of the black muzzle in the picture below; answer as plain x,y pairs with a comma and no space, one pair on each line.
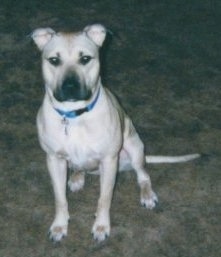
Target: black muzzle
72,90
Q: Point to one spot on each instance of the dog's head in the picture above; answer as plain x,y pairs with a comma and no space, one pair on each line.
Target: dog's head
70,62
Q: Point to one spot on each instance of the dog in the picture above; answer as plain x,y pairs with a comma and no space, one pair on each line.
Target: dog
82,126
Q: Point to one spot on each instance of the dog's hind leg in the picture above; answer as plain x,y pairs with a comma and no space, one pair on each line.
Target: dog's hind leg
58,171
135,149
76,181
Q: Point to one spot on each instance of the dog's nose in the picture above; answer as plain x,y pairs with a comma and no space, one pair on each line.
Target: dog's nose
70,86
72,90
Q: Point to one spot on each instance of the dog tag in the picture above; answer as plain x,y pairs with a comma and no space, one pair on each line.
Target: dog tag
65,122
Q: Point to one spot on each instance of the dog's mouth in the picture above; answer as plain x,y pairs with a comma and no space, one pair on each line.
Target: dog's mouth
60,96
72,90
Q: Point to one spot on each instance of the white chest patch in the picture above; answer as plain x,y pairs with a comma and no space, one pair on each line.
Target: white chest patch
77,144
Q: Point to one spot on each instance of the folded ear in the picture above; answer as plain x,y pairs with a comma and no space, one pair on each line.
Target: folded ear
42,36
96,33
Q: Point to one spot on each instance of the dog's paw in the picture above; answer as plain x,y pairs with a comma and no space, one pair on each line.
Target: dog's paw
59,227
76,181
149,201
57,232
101,231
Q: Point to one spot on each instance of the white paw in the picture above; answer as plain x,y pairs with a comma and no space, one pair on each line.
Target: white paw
58,232
76,182
150,201
101,230
59,227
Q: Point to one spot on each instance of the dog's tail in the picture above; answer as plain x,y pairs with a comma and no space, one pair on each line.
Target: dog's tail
171,159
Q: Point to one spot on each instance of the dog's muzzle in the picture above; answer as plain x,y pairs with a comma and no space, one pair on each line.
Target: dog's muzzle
72,90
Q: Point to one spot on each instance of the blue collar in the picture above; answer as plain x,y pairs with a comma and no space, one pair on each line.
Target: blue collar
76,113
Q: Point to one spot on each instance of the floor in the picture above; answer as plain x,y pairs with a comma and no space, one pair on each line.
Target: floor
163,63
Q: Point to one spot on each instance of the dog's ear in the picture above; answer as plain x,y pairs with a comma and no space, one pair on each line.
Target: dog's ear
42,36
96,33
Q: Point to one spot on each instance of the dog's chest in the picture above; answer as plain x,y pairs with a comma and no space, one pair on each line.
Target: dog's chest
78,144
82,152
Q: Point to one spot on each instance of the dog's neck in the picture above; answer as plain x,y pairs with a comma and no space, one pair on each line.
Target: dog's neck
66,115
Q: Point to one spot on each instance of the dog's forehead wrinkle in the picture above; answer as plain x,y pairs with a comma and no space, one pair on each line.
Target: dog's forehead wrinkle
83,53
70,45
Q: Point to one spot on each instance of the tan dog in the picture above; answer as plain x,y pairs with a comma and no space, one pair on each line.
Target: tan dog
81,125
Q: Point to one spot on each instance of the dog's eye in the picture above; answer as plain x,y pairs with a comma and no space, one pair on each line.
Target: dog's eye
85,59
55,61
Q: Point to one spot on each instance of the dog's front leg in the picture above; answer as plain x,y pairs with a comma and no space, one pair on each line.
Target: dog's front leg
108,170
58,171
